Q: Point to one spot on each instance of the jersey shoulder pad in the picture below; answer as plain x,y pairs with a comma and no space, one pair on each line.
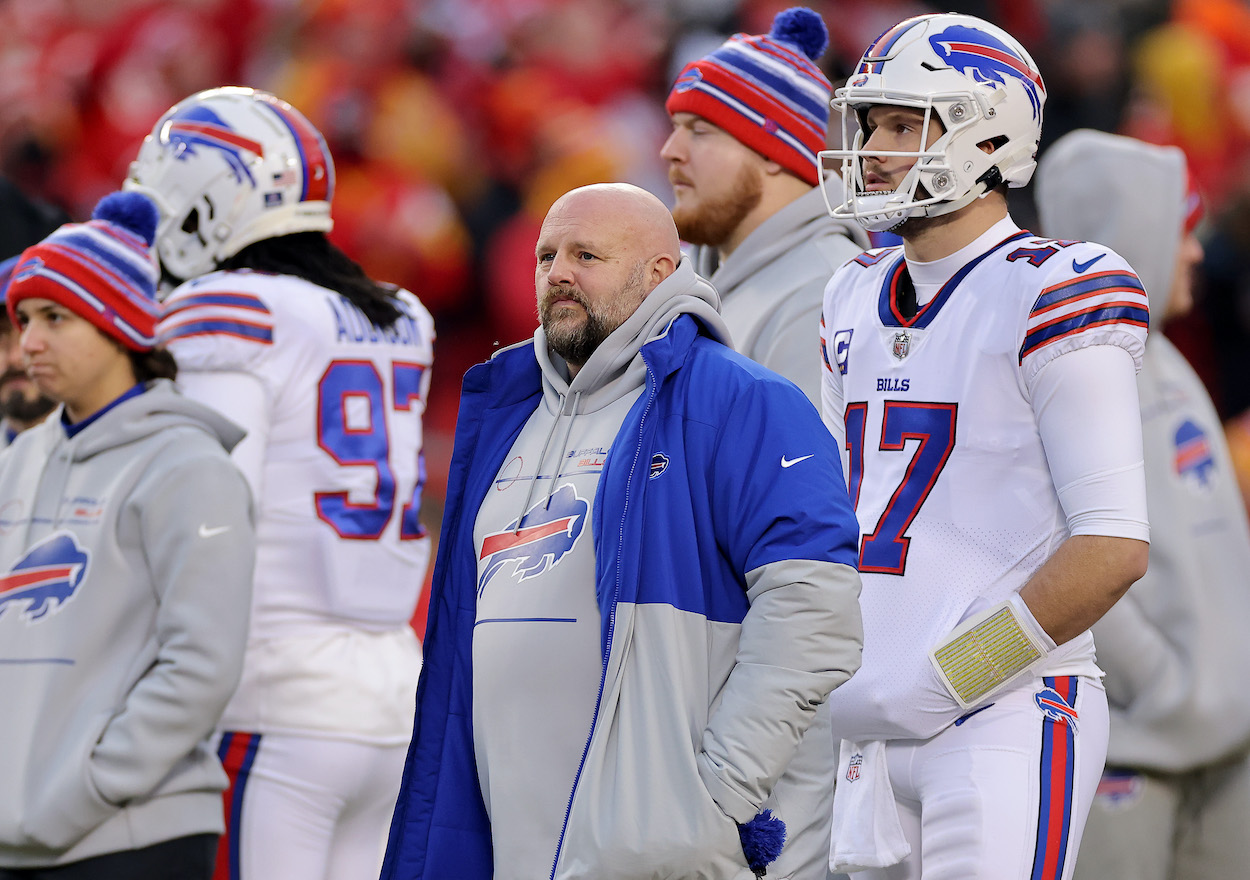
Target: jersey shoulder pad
1089,296
219,321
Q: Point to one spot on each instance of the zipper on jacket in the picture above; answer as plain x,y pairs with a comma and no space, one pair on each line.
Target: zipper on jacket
653,387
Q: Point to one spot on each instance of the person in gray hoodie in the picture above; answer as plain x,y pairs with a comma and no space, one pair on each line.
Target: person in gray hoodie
1174,800
645,587
748,122
127,545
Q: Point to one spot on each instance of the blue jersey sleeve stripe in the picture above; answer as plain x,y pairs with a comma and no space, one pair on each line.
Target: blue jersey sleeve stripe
235,300
1120,313
254,332
1109,282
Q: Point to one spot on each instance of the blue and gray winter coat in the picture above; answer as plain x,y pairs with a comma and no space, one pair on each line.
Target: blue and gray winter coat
725,572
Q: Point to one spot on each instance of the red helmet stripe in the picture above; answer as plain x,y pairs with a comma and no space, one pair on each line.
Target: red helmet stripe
318,173
998,55
216,132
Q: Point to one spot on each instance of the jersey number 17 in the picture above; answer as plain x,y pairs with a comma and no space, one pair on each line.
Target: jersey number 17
884,551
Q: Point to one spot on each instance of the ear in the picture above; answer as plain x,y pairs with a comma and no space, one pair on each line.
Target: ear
660,267
772,168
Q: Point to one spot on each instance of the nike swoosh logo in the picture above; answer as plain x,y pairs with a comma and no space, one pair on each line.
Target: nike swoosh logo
791,462
1078,268
206,532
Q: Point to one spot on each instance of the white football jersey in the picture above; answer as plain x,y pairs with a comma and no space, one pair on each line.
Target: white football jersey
942,453
335,436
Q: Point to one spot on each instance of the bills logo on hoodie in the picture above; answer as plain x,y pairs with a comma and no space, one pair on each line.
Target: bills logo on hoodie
1192,456
542,537
45,578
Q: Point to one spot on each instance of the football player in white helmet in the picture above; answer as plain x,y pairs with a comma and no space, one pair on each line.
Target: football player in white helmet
981,380
968,90
328,371
230,167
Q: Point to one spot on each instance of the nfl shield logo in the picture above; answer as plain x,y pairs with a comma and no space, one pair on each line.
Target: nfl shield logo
902,344
852,769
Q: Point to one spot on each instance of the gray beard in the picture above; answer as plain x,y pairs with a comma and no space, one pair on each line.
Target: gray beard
577,344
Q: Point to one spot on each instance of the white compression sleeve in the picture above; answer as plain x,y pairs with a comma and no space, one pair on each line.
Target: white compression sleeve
1090,424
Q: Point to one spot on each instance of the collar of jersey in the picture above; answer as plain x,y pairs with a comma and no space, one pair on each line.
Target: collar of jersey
887,300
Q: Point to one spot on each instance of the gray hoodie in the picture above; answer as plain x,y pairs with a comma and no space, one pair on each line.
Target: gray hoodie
772,286
1174,648
127,555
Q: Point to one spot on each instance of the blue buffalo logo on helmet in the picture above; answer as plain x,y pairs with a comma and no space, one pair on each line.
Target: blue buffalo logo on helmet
542,537
1055,707
45,578
987,60
199,127
1192,456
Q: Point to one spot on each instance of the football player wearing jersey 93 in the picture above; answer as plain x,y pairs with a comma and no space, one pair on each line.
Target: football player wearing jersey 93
328,371
981,381
127,544
638,606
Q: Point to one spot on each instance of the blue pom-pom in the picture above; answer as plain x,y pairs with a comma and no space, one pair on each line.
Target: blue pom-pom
803,28
130,210
762,839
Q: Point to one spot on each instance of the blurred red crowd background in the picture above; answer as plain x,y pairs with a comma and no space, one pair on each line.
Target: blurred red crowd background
455,123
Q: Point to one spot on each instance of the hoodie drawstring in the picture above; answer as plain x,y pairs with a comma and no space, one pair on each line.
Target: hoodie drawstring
538,469
564,448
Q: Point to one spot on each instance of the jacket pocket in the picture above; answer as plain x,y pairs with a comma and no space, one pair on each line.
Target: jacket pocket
66,804
641,810
654,822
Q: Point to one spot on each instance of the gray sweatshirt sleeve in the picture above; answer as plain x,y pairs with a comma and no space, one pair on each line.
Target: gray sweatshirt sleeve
195,525
786,522
800,639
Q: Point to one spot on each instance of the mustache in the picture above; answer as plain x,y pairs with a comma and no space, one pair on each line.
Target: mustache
554,293
675,177
12,373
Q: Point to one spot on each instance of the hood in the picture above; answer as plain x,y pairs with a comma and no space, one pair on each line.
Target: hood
615,367
161,406
1119,192
807,217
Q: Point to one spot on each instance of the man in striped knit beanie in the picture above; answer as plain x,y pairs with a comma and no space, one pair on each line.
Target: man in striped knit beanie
748,121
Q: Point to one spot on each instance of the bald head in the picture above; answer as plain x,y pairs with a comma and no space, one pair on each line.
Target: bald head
601,250
635,217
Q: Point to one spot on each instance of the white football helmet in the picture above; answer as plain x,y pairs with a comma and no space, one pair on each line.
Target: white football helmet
228,167
973,78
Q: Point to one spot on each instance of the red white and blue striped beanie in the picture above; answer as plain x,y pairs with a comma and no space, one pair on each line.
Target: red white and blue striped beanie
103,270
765,90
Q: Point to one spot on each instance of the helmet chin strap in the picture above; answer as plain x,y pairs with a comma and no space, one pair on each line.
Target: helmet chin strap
884,220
